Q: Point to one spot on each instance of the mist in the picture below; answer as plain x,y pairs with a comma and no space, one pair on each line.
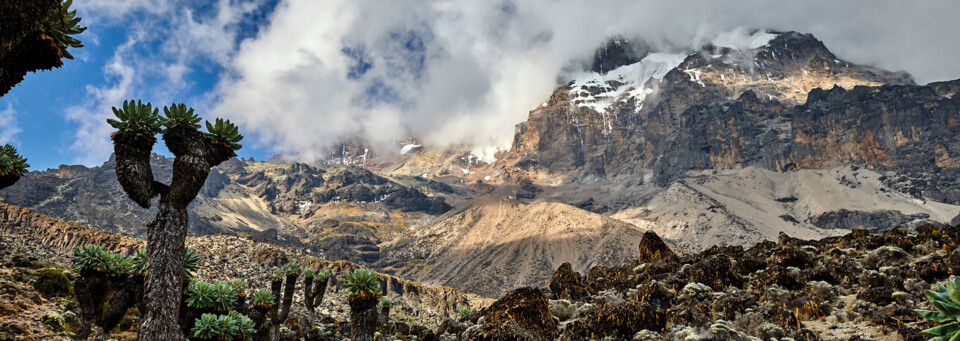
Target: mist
466,72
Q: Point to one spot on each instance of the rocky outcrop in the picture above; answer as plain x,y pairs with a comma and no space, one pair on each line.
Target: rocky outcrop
876,220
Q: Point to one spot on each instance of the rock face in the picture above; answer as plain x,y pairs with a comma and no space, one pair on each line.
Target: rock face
786,105
652,248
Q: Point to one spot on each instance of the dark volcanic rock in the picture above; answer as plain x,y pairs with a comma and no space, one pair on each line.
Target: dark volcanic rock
566,283
524,311
653,248
874,220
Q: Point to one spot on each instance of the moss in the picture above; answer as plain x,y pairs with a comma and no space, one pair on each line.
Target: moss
42,264
52,283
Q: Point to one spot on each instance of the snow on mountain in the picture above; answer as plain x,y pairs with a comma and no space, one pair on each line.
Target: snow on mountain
599,91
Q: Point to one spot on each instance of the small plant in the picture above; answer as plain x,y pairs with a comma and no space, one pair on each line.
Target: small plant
224,132
240,286
464,312
946,301
191,263
277,275
179,116
223,327
224,297
293,269
309,273
137,120
139,263
12,163
362,282
200,295
386,303
262,298
91,258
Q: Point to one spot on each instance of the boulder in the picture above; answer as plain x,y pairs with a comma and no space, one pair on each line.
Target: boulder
653,248
523,312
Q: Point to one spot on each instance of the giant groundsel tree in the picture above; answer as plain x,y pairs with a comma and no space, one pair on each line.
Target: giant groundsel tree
195,154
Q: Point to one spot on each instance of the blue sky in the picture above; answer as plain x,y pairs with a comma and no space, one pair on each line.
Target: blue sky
300,76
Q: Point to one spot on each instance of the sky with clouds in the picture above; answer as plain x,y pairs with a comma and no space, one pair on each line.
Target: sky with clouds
298,76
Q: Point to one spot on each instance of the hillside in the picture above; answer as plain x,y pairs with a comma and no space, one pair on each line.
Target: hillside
496,244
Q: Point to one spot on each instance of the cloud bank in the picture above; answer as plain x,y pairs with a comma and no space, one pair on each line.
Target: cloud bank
465,72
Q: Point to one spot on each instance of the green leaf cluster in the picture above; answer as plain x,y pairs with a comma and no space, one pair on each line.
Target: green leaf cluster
464,312
362,282
319,275
178,115
142,120
10,162
231,326
386,303
136,119
224,132
263,298
219,296
293,269
240,286
946,301
277,275
62,25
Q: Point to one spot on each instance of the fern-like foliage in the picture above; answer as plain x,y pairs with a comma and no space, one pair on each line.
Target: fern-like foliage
946,301
136,119
12,163
224,297
224,132
179,116
200,295
262,298
62,25
362,282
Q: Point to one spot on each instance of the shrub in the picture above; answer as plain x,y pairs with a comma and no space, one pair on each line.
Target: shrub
362,282
946,301
200,295
240,286
52,282
224,297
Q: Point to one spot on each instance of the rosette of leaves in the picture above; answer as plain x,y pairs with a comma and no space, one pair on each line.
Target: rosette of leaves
386,303
946,301
262,298
139,263
463,312
200,295
246,329
91,258
309,273
178,115
136,119
118,265
12,163
277,275
191,263
216,327
362,282
224,132
240,286
224,296
293,269
61,26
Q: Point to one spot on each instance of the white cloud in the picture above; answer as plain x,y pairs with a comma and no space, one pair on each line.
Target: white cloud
92,139
485,64
8,125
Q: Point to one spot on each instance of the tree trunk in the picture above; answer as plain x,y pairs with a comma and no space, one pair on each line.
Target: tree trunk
166,236
364,319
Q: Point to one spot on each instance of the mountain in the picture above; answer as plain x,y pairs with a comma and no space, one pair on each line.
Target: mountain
495,244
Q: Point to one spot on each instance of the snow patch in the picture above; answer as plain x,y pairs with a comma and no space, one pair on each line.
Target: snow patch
408,148
627,79
304,206
485,154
